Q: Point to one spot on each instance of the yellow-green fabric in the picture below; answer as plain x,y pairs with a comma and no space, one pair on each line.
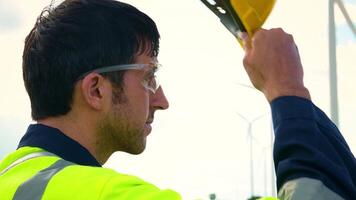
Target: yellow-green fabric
267,198
76,181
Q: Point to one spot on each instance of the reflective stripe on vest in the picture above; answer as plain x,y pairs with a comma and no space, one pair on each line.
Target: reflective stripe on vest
27,157
35,187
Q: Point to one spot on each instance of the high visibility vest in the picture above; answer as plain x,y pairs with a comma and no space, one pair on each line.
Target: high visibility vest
34,174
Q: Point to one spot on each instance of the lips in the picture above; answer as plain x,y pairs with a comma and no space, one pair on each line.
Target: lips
148,128
150,117
149,121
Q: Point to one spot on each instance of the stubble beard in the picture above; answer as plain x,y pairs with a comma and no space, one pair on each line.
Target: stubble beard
116,133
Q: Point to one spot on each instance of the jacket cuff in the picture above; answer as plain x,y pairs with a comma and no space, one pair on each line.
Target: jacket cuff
289,107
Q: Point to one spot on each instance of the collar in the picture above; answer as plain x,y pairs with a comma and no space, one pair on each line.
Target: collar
54,141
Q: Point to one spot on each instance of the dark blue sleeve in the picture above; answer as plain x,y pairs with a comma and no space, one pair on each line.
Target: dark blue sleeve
308,144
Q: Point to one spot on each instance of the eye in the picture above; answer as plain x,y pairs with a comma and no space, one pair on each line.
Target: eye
150,78
151,74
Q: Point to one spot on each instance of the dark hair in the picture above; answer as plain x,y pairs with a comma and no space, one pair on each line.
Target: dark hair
76,37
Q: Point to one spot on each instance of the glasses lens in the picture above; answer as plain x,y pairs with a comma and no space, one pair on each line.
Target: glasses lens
151,82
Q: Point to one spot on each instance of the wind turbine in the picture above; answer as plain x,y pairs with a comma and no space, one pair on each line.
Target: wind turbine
273,175
250,136
334,105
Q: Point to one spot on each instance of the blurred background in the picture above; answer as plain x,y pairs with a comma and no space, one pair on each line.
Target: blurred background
201,146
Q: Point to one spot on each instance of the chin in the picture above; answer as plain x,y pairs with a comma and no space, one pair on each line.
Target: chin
138,149
136,152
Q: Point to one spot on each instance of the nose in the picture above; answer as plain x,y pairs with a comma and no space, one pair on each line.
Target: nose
159,100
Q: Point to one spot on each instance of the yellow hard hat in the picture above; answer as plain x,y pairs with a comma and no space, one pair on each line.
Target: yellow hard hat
241,15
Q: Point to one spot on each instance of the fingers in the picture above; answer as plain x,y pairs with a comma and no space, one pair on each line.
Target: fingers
245,40
273,64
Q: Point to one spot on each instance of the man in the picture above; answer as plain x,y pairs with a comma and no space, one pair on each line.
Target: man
89,69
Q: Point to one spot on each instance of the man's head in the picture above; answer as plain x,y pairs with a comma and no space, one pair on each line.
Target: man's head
79,36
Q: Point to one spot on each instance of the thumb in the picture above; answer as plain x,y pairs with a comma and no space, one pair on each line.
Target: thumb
245,40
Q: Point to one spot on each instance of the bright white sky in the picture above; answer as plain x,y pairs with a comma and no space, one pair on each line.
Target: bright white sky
199,146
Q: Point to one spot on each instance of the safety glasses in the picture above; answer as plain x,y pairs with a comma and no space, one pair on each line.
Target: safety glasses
150,80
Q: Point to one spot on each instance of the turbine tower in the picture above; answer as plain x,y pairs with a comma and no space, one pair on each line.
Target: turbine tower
334,104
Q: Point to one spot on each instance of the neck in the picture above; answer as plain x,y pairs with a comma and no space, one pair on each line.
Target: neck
82,131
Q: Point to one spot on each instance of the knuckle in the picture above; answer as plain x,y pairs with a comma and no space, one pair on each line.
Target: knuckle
290,37
259,33
277,30
245,61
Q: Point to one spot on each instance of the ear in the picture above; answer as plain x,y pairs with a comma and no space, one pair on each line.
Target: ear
95,91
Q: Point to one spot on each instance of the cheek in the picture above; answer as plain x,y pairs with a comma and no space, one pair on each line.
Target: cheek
139,104
138,97
145,106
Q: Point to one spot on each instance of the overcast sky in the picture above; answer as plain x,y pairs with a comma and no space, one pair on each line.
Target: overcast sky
200,144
